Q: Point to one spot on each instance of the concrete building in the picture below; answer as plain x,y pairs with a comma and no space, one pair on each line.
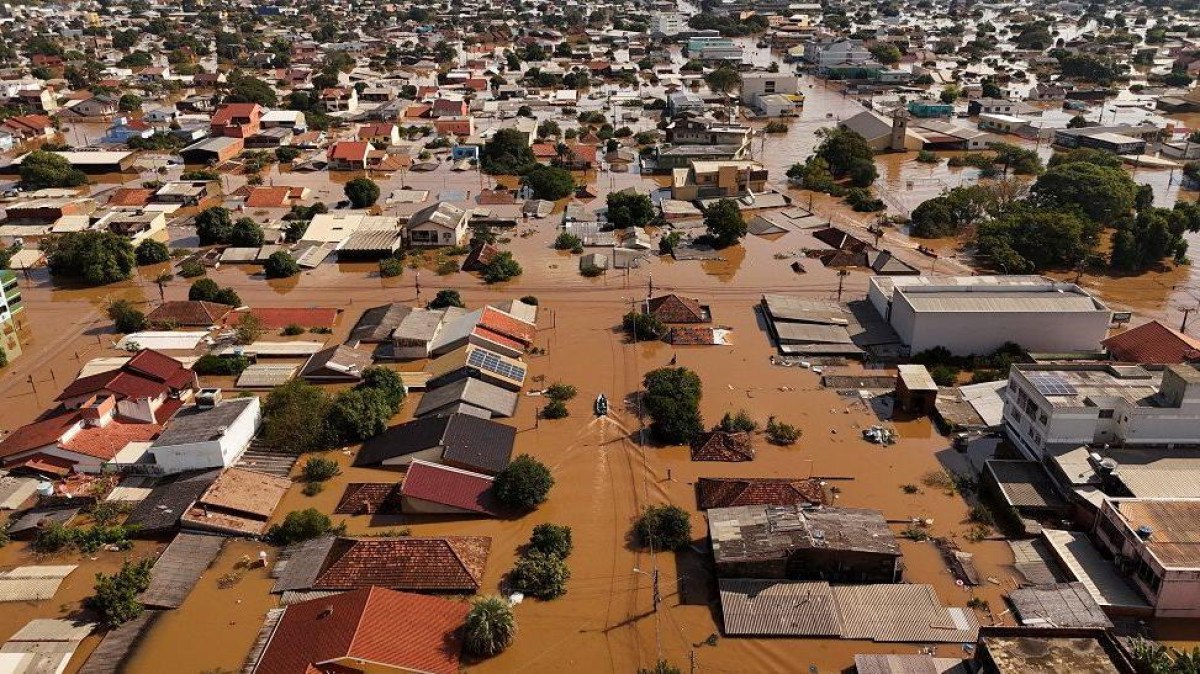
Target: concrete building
797,543
718,180
1050,408
825,53
755,86
668,24
1152,542
979,314
714,49
213,433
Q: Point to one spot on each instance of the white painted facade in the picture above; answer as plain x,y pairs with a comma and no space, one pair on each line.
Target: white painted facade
221,450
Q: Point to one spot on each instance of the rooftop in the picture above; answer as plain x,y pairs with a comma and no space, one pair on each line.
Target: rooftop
1048,655
761,532
202,424
1092,385
1173,525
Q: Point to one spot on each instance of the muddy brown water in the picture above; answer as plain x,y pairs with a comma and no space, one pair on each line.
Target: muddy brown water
606,622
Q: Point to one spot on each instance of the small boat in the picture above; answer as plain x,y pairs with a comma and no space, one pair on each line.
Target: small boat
601,405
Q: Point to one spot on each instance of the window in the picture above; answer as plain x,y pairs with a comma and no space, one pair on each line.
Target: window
1106,414
1042,418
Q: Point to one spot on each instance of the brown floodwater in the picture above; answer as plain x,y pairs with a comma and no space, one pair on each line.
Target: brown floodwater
604,478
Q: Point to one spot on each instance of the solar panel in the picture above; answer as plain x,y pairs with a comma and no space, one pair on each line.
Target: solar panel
1051,385
491,362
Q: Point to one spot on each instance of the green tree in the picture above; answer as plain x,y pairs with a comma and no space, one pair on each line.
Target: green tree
130,103
95,257
885,52
203,290
950,213
281,264
362,192
41,169
358,414
214,225
294,416
847,154
523,484
245,233
1087,155
500,268
549,182
672,399
642,326
1026,238
248,89
663,527
1077,122
723,79
320,469
724,223
447,297
1100,192
508,153
150,251
540,575
552,539
490,626
388,383
299,526
248,329
115,597
629,209
126,317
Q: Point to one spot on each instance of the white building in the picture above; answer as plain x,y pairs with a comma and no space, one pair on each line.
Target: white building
769,92
824,52
440,224
668,23
979,314
1048,408
213,433
1153,544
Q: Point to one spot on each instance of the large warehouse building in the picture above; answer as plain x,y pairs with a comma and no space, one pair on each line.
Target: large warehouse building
978,314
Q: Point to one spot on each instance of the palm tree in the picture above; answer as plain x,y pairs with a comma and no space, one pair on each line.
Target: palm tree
162,280
490,626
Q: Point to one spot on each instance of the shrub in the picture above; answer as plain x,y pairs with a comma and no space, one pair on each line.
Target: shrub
446,298
299,526
779,433
204,290
591,271
738,423
643,327
116,595
530,300
567,241
292,329
523,484
555,409
540,575
281,264
552,539
502,267
248,329
126,317
490,626
446,268
663,527
390,267
927,157
319,469
660,667
560,391
191,269
312,488
286,153
221,366
150,251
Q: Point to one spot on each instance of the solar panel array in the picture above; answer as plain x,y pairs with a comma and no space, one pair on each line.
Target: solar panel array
490,362
1052,385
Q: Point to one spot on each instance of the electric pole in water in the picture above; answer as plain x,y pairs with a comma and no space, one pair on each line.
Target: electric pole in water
842,274
1183,326
657,596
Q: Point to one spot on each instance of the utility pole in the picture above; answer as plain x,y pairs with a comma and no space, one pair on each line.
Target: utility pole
417,276
842,274
657,595
650,293
1183,326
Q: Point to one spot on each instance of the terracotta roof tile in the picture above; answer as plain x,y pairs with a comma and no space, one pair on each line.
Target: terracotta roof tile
124,384
369,498
452,564
408,632
268,197
38,434
717,492
723,446
188,313
1153,342
497,321
277,318
131,196
450,487
103,442
676,309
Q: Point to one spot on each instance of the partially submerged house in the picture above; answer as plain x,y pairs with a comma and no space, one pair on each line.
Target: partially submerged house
213,433
435,489
238,503
459,440
723,446
728,492
677,309
469,396
339,363
335,563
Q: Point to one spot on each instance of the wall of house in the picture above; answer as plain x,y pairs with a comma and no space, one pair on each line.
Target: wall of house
417,506
432,455
966,333
216,453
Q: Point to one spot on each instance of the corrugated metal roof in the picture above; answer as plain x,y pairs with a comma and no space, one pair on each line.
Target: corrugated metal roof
902,613
1058,605
1075,552
179,568
776,608
1000,302
266,375
32,583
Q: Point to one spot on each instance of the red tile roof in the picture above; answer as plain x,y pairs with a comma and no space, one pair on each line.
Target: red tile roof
131,196
449,486
497,338
277,318
235,110
103,442
723,446
159,366
189,313
268,197
497,321
544,150
369,498
38,434
118,382
675,309
715,492
349,150
1153,342
409,632
451,564
45,463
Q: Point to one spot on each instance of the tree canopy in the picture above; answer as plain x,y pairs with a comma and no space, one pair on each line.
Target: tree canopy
672,399
507,153
41,169
724,223
94,257
549,182
362,192
629,209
